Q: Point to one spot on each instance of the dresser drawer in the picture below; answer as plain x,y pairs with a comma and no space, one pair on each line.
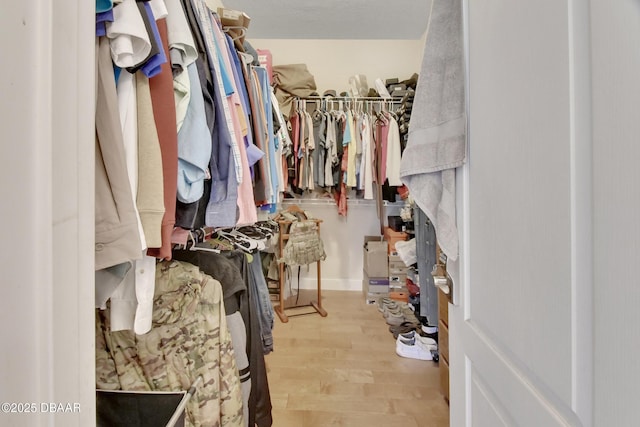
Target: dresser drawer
444,378
443,340
443,307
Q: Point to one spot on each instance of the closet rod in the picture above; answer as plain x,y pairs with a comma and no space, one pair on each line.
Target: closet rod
348,98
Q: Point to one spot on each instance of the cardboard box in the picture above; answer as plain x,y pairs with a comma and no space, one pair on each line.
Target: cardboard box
394,258
397,265
402,271
233,18
375,261
398,281
235,22
373,298
389,233
375,285
392,237
399,295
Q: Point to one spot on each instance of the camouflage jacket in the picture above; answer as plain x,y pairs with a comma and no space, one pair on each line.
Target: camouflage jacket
189,338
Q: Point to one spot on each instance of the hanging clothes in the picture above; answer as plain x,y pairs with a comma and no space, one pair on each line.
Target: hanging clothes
260,133
189,319
195,139
393,154
265,94
150,196
164,111
368,156
321,138
117,237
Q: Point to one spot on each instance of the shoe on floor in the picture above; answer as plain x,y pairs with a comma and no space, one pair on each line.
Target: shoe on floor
404,327
413,350
429,329
410,316
412,335
385,303
394,319
392,311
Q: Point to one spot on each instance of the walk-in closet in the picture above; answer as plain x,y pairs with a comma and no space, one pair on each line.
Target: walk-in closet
239,201
294,213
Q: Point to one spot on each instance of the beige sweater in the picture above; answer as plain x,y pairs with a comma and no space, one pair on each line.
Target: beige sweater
150,200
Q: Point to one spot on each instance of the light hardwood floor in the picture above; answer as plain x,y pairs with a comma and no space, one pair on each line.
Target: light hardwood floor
342,370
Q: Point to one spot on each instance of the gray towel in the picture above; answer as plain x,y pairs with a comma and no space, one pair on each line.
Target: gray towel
437,130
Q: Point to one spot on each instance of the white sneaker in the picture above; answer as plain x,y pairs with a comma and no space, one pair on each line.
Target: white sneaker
413,335
413,350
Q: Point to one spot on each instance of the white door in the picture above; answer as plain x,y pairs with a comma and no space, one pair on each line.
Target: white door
521,327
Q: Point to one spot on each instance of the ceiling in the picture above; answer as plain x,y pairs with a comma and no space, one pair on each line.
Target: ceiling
335,19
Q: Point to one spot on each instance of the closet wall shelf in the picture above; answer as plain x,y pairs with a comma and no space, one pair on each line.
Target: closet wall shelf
395,100
351,202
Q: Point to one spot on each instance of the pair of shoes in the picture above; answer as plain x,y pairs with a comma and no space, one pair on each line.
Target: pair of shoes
390,309
394,319
396,313
410,315
414,349
386,303
403,328
427,331
413,335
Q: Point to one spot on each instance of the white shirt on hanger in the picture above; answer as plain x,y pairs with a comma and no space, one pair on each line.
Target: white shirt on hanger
393,154
367,158
128,37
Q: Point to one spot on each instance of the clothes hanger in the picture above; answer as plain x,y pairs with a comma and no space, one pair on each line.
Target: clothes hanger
269,224
243,31
219,244
194,247
245,245
257,243
255,232
180,237
390,109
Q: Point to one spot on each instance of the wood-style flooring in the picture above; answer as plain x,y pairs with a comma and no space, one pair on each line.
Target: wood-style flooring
342,370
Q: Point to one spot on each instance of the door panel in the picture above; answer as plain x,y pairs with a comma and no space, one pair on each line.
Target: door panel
519,184
515,346
485,405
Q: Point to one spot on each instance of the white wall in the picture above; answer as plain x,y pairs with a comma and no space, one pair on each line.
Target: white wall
332,62
616,132
46,297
